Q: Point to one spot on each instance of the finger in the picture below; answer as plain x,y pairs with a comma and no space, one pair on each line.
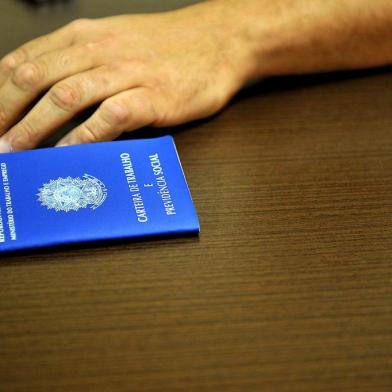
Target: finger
63,102
126,111
61,38
32,78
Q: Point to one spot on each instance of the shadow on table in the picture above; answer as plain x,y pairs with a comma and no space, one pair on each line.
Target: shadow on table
97,246
283,83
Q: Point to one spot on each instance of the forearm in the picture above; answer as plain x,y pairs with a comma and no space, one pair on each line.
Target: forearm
301,36
165,69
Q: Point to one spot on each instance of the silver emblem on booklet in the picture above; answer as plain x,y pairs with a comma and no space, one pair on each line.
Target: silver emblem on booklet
72,194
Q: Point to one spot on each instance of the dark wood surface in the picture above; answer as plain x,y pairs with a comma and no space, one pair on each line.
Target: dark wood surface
288,287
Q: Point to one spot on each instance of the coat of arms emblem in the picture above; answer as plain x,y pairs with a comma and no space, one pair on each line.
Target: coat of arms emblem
71,194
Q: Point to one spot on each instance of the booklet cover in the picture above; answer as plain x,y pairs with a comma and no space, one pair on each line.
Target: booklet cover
92,192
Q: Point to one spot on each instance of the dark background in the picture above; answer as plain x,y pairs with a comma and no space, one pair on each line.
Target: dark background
16,15
288,287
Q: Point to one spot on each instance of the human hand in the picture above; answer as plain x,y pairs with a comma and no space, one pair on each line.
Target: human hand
146,70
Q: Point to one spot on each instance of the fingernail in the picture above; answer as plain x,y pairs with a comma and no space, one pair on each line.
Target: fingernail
61,144
4,146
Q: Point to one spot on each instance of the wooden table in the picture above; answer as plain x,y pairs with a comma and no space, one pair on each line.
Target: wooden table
288,287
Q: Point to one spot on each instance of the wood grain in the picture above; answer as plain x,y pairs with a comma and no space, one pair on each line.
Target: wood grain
288,287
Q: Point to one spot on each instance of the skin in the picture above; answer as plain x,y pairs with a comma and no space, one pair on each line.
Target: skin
166,69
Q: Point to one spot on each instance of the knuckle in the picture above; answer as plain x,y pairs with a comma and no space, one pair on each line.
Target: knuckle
163,118
7,64
91,46
138,66
12,60
81,25
145,105
138,103
26,135
114,112
28,75
142,105
90,135
95,46
63,60
108,41
99,45
65,96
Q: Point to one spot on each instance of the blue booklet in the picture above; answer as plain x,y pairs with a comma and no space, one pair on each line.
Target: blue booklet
84,193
